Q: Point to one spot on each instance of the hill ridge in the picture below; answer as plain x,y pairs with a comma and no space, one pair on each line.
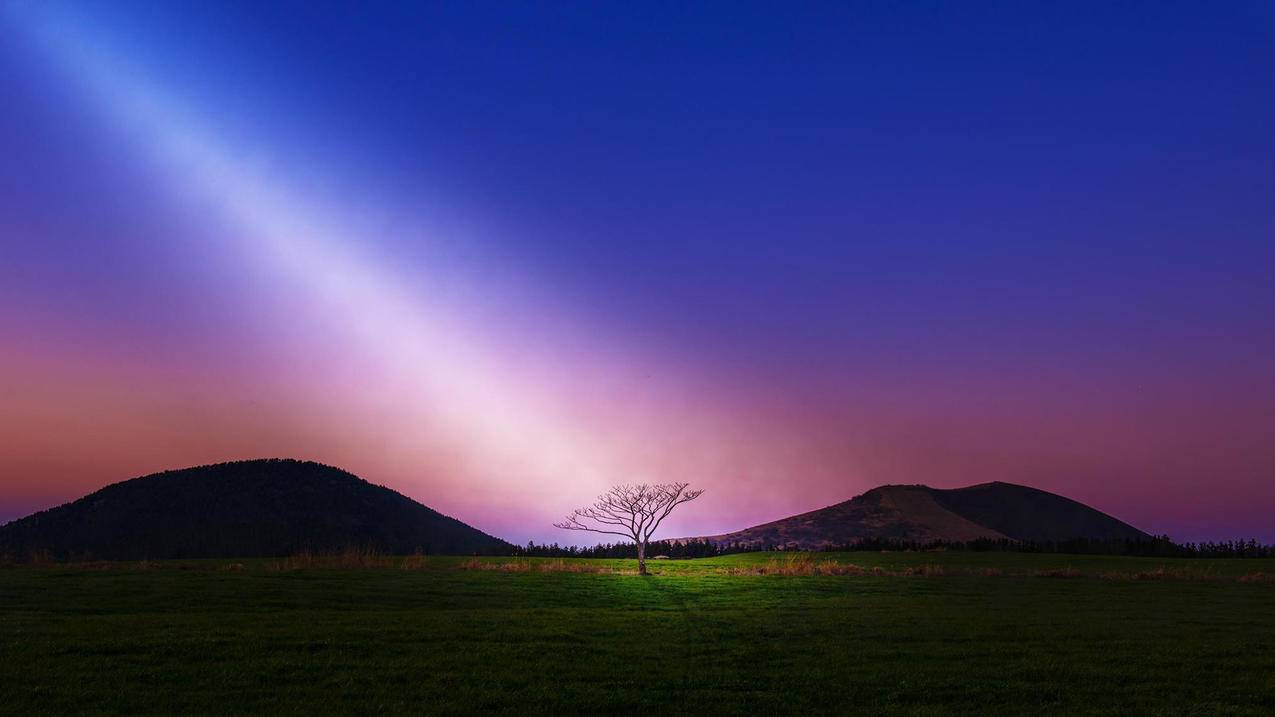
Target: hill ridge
995,510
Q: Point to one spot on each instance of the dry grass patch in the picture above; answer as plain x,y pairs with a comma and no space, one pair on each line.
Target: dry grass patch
557,565
1162,573
416,561
1067,572
926,570
804,564
1257,578
348,559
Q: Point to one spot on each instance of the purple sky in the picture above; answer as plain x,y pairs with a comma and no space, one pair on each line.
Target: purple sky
500,257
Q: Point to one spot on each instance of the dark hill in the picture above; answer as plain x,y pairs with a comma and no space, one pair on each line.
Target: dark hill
1024,513
253,508
917,513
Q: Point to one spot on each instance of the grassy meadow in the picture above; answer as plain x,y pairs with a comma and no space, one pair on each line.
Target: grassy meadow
849,633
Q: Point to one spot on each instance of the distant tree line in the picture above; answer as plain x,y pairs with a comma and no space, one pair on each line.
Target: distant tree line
1229,549
1160,546
668,548
1157,547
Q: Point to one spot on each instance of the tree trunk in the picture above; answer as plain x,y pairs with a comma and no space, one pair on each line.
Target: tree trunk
641,557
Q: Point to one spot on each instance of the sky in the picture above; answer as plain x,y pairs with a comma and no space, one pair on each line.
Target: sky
502,256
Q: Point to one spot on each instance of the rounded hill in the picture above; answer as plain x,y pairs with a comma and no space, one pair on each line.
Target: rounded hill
267,507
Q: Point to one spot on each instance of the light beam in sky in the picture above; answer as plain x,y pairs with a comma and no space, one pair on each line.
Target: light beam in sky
423,352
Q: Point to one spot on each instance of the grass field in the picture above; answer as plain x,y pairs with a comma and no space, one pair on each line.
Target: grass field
966,634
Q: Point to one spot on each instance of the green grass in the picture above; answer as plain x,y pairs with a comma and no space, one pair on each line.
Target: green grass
697,637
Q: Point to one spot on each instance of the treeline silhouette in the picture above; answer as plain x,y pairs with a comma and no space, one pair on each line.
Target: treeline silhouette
672,549
1157,547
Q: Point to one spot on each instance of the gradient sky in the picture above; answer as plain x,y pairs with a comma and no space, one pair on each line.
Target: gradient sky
501,256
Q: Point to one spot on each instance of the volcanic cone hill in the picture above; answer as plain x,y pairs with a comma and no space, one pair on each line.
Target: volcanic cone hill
254,508
918,513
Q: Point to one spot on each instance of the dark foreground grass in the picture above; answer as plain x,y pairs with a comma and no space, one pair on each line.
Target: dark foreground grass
436,636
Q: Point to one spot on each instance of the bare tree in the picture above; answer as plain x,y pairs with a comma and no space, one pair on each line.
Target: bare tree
631,511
